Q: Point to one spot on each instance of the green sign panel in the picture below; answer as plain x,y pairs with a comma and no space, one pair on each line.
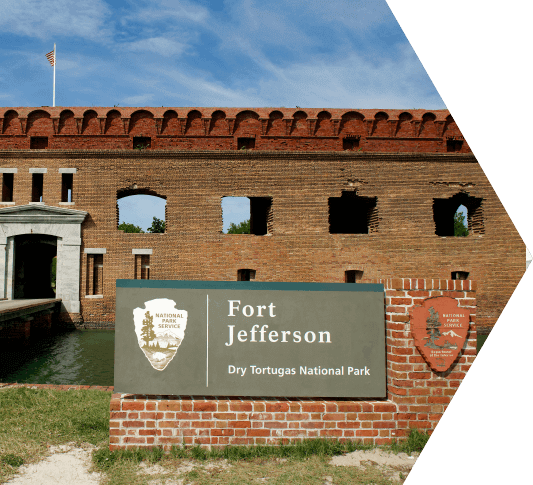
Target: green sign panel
208,338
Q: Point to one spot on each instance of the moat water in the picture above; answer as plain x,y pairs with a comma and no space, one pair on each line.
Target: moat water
83,357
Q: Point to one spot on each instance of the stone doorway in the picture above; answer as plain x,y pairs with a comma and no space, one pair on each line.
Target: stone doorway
30,237
34,258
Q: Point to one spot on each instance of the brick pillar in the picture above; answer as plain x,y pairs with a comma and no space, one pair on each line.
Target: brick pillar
422,395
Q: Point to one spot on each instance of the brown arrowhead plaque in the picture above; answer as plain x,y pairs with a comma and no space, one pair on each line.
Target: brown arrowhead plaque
439,329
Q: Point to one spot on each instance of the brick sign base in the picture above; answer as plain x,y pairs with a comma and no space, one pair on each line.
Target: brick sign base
417,396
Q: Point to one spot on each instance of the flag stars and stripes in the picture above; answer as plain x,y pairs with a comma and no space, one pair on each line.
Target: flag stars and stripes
50,56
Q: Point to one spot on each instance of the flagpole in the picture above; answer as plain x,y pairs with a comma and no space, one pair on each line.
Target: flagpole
54,100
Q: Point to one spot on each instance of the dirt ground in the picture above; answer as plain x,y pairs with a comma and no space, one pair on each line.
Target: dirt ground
68,465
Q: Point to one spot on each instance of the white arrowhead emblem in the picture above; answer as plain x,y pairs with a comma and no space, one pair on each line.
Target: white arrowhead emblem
160,329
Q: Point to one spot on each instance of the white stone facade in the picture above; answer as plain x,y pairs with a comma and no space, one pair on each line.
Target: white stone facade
65,224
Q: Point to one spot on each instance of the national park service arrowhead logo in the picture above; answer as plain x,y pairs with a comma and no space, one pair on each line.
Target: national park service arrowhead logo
160,329
439,329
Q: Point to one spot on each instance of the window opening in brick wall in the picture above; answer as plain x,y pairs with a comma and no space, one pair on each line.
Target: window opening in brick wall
98,274
350,143
460,275
454,145
260,215
142,142
245,143
352,276
245,274
38,142
7,187
353,214
247,215
235,215
142,266
37,187
141,211
445,215
66,187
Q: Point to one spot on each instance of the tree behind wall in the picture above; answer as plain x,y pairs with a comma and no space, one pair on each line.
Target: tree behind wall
242,228
157,227
130,228
459,226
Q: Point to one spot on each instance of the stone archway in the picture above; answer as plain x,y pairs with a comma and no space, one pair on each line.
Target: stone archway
47,223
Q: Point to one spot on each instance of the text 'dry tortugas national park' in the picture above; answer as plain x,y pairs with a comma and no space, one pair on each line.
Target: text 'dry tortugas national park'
350,310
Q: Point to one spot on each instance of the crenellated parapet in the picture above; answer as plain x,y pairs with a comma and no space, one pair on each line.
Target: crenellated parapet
116,127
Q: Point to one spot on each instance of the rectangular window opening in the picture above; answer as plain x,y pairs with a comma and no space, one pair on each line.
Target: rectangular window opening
38,142
141,142
145,267
7,187
98,274
245,274
350,143
235,215
454,145
352,276
353,214
37,187
245,143
260,215
460,275
66,187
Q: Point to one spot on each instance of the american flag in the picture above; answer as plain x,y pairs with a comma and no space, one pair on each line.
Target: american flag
50,57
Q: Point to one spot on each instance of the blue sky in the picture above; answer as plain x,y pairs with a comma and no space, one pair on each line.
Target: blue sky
247,53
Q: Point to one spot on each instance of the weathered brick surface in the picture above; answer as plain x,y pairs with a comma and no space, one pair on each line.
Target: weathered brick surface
416,398
299,161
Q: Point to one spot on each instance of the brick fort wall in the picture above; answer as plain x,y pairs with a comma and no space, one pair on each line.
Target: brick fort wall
406,166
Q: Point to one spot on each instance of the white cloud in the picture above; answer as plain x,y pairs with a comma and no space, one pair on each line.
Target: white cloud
58,18
202,92
351,81
158,45
169,10
141,99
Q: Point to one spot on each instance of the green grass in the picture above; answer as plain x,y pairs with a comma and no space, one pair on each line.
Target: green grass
299,463
33,419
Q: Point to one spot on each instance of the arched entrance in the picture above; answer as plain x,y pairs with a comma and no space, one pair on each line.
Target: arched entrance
34,257
30,236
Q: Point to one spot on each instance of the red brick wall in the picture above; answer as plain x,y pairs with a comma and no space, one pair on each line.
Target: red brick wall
192,164
217,129
416,395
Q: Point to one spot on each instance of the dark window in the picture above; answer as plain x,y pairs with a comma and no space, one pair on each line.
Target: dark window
66,187
98,274
454,145
245,143
142,266
38,142
260,215
7,187
444,211
459,275
351,214
246,274
37,187
141,142
352,276
350,143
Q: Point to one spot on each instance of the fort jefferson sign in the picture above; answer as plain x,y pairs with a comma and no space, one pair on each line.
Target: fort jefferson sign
250,339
